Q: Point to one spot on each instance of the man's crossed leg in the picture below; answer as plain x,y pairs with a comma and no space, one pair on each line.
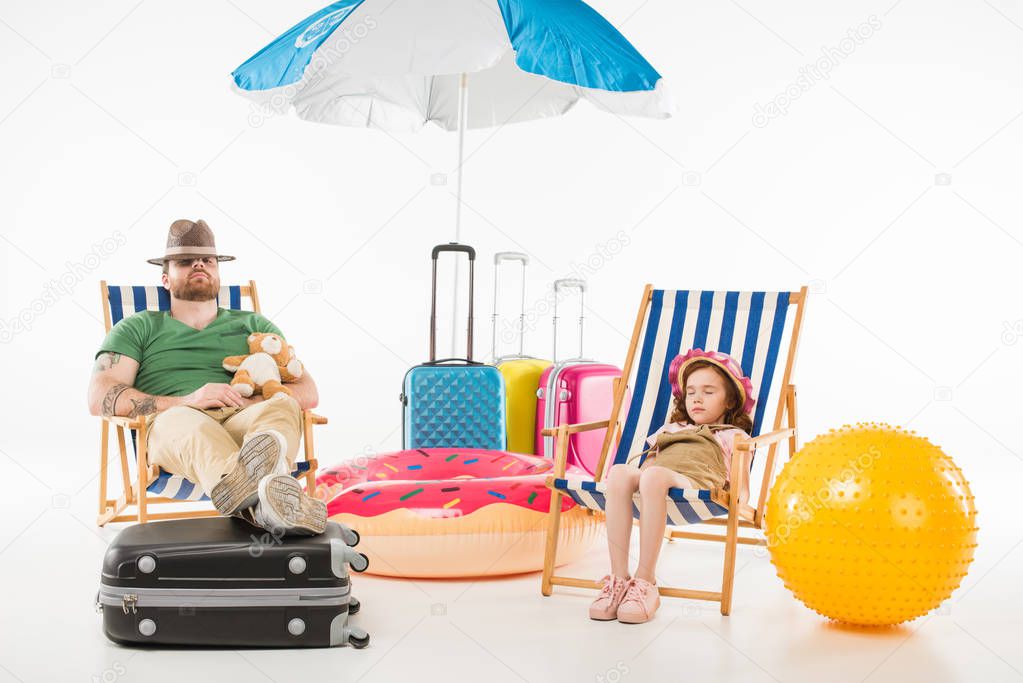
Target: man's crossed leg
241,459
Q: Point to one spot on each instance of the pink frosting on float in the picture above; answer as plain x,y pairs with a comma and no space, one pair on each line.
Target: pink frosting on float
438,482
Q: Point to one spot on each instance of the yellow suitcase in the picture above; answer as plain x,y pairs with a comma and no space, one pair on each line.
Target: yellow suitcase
521,373
521,380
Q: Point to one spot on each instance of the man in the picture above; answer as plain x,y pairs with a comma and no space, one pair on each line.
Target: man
167,367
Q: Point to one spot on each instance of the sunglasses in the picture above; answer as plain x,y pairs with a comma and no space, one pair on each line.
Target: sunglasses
189,262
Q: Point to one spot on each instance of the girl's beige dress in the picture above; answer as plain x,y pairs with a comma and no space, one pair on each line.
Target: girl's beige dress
695,452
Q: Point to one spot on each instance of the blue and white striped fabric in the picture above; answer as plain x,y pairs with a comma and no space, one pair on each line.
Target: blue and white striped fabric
178,487
396,64
175,486
127,300
685,506
749,326
746,325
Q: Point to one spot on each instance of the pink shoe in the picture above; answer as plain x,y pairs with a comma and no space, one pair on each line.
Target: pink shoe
605,607
640,602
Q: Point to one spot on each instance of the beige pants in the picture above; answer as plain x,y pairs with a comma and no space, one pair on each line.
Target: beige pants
203,445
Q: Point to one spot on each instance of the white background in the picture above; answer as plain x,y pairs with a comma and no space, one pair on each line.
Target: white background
891,188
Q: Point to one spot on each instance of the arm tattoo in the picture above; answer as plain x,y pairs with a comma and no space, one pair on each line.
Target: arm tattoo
105,361
142,406
110,400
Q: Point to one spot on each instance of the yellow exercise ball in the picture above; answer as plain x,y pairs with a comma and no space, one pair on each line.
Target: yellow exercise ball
871,524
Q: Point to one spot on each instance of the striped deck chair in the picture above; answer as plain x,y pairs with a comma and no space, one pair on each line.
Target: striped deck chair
151,485
761,330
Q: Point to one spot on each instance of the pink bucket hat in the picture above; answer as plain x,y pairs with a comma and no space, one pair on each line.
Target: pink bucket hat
723,361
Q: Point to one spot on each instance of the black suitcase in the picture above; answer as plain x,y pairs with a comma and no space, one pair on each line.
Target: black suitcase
220,581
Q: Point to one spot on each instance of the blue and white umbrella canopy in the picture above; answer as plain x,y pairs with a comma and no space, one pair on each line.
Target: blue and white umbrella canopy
396,64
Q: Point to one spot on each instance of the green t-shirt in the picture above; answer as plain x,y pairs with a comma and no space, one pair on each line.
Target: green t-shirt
175,359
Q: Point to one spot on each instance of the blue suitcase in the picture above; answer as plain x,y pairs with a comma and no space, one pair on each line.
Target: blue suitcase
453,402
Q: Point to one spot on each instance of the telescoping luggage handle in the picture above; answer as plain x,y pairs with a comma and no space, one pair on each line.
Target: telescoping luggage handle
570,283
499,258
439,249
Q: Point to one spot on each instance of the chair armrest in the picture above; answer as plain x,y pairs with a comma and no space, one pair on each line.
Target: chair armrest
576,428
125,422
130,423
136,423
745,511
753,443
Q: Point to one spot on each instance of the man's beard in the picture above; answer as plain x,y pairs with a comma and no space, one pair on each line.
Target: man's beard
197,289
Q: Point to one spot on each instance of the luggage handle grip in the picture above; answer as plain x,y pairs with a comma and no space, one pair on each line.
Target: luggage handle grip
570,283
511,356
453,246
511,256
445,361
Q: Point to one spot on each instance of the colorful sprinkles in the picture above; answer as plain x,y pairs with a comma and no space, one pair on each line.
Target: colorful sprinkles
449,489
410,494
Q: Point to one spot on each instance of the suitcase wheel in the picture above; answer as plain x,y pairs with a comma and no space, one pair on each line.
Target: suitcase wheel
354,605
350,536
360,562
358,639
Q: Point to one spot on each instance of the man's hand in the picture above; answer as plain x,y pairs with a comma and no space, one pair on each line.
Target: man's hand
214,395
252,400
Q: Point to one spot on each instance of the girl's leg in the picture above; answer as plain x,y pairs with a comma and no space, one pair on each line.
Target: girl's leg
653,490
622,482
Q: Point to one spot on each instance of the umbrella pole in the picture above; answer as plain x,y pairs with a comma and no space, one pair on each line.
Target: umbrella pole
463,112
463,106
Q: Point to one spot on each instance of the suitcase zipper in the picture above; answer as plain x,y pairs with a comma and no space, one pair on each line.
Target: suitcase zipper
131,602
551,407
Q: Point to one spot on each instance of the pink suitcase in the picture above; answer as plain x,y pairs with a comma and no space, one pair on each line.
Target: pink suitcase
574,391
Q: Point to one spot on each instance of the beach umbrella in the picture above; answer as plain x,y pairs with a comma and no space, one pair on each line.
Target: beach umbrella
459,64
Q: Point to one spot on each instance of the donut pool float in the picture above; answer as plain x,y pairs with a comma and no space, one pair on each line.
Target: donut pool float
453,512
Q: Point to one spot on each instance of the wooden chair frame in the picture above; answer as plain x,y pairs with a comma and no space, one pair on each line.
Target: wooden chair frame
739,516
135,494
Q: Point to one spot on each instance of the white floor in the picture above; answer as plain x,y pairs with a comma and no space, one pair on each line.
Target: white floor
503,629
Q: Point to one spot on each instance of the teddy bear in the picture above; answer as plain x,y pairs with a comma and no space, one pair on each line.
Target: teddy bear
269,362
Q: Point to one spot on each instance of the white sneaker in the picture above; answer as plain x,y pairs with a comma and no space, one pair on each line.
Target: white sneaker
284,508
263,453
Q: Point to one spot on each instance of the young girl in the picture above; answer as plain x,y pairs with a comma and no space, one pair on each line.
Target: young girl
713,400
